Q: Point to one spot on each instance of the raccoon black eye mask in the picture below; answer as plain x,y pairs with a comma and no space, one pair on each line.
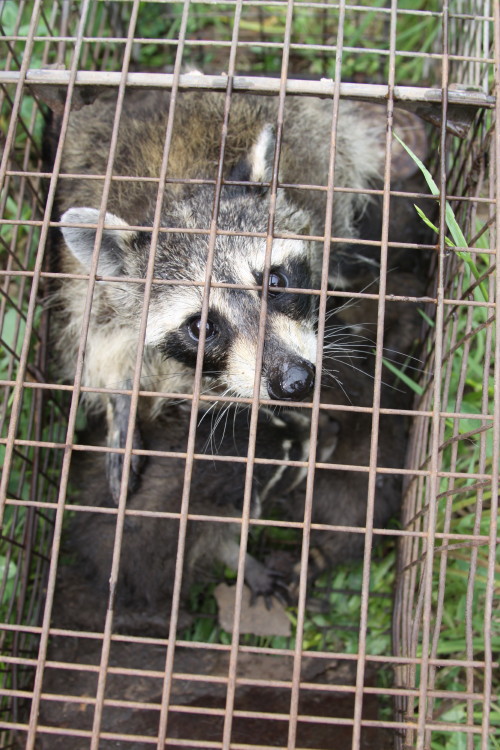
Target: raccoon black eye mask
174,310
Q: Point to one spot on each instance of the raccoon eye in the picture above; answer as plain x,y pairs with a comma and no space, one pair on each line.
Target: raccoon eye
194,329
277,279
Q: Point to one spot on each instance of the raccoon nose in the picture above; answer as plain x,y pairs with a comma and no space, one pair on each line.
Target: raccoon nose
293,382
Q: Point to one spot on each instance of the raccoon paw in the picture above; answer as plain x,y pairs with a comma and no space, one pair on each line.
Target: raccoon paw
266,582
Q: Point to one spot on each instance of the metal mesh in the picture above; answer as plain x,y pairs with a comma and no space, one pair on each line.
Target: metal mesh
327,684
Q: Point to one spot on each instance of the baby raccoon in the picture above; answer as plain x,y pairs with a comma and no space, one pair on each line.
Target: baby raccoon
174,311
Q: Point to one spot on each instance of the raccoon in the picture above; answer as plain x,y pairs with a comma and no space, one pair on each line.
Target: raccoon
174,312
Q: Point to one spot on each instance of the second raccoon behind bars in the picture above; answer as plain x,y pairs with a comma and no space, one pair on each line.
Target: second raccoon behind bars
174,311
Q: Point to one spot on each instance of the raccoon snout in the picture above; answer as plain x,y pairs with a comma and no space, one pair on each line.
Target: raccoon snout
293,381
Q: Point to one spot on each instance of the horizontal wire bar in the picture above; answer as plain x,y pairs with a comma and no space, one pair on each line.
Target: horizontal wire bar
254,84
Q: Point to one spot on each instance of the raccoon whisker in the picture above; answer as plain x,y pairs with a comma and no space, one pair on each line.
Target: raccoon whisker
345,342
223,413
213,406
369,375
402,354
333,312
177,401
346,358
349,363
331,374
347,327
337,350
349,338
235,412
405,365
351,302
125,384
339,330
360,350
369,348
208,389
344,330
226,419
217,410
338,353
276,410
348,346
238,408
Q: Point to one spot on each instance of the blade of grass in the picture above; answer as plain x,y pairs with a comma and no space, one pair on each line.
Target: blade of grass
415,387
428,320
459,240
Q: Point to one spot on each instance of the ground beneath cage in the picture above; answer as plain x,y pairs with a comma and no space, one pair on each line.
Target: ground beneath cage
198,698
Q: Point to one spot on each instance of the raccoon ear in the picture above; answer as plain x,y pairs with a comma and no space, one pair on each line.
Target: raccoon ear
81,240
261,157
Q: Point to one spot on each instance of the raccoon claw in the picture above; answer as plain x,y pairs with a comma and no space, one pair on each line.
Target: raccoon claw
264,581
280,592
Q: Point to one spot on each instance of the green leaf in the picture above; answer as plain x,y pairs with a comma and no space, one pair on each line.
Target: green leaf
431,225
428,320
415,387
451,222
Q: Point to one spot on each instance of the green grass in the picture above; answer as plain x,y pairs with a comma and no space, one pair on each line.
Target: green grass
365,29
464,458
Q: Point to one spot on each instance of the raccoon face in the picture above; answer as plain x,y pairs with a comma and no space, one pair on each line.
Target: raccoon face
232,326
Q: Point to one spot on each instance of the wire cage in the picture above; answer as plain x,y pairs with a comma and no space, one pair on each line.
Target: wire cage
111,635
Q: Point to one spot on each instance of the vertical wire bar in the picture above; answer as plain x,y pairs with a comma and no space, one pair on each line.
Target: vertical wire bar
138,367
169,663
42,651
490,586
20,201
441,588
377,386
233,658
15,32
23,360
408,553
414,592
469,606
306,529
88,47
428,551
122,500
486,44
63,30
29,534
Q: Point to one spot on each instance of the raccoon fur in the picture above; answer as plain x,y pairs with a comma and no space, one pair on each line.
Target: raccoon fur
174,313
149,544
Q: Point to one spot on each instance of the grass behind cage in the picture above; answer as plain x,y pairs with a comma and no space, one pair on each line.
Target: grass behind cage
364,30
366,37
